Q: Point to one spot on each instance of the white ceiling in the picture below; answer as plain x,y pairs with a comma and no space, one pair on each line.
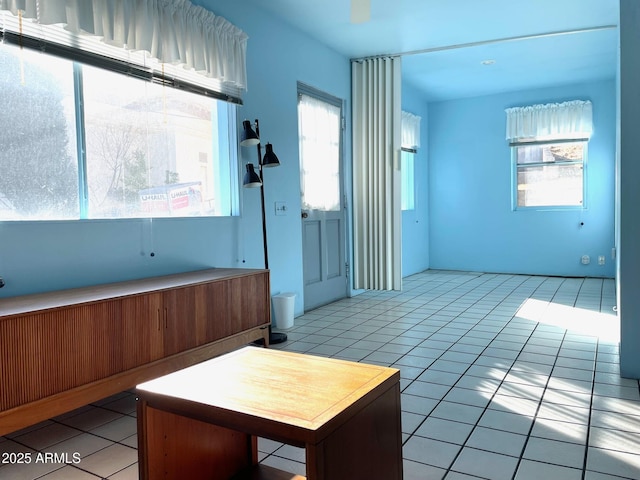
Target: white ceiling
534,43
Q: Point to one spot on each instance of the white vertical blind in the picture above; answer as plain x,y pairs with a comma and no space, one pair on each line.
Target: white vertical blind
410,131
173,33
376,92
552,121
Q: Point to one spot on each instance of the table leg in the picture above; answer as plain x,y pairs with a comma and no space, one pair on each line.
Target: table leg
367,446
173,446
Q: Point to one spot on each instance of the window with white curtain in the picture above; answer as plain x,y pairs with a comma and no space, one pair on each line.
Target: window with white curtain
410,143
93,129
549,153
319,125
141,144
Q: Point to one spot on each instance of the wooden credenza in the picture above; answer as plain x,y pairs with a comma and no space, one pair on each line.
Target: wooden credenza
61,350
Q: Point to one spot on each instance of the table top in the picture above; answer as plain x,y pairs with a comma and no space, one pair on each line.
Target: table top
294,390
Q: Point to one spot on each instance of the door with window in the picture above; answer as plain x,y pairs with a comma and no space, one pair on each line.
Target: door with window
323,217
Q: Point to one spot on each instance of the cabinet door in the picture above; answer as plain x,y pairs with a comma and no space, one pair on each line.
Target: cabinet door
212,320
230,306
178,317
47,353
142,329
21,340
249,304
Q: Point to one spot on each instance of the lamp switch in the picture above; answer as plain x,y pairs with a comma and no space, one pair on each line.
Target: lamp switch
281,208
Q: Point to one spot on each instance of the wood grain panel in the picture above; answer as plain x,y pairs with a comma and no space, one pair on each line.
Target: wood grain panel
19,366
179,320
341,455
142,329
66,346
171,443
247,303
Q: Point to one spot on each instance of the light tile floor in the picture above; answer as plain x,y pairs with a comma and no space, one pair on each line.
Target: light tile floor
503,377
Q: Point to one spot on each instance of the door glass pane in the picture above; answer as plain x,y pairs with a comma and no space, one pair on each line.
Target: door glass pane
319,129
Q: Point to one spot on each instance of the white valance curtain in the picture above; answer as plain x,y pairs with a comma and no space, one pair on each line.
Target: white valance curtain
410,131
171,32
376,93
554,121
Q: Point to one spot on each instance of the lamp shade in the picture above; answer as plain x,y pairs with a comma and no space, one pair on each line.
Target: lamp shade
251,178
270,159
248,136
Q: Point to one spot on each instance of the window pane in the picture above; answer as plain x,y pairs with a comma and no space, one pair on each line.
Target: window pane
154,150
559,152
553,185
550,174
38,159
319,129
408,181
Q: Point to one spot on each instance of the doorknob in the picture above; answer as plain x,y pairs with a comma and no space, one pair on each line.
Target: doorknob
305,214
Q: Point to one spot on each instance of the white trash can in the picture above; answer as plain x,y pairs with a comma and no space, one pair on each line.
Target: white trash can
283,305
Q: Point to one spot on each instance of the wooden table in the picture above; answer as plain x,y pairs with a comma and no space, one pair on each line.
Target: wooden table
203,421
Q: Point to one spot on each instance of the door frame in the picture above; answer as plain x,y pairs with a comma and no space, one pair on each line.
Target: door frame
306,89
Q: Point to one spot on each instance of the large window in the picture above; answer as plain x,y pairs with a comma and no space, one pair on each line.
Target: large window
84,142
550,174
549,153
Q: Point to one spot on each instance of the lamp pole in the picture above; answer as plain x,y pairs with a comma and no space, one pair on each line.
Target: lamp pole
250,137
264,217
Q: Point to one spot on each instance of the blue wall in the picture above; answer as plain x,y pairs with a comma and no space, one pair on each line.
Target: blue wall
415,223
43,256
472,224
628,193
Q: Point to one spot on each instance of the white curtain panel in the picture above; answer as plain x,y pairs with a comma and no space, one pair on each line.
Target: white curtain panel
174,32
319,130
553,121
410,131
376,93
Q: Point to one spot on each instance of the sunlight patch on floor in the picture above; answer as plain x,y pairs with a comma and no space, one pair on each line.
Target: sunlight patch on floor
604,326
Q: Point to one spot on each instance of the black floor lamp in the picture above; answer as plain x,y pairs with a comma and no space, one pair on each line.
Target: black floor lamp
248,138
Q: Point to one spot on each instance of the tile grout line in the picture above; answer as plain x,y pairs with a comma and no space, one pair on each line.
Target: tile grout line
494,394
448,469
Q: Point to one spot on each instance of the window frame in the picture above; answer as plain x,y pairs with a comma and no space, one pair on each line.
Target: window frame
515,168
